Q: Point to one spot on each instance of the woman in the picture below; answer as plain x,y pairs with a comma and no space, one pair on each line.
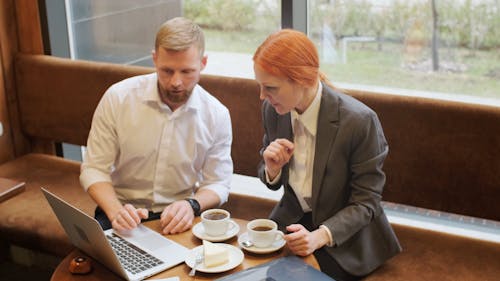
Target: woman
327,150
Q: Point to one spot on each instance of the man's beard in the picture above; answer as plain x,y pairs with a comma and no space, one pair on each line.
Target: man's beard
175,97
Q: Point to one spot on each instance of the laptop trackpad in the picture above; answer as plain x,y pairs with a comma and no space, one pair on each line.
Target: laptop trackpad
146,238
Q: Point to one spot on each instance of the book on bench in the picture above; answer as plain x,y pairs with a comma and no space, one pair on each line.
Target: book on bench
289,268
9,188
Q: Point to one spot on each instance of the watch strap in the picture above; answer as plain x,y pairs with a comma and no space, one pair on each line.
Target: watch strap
195,205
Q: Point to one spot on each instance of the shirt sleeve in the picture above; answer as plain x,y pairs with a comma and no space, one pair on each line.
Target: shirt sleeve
275,180
331,242
102,145
218,167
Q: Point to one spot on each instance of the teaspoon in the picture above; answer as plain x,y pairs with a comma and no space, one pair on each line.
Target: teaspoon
247,243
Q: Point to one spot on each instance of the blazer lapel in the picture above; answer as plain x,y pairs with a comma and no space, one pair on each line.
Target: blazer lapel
328,118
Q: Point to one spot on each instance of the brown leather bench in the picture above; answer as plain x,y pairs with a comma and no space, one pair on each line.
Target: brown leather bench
443,156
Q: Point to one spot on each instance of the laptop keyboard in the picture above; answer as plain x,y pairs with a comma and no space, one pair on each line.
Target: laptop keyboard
132,258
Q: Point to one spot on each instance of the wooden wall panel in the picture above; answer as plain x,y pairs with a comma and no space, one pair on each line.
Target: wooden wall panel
30,41
8,47
28,27
20,31
6,145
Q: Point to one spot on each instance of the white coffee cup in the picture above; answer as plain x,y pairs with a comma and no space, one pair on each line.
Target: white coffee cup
263,232
216,222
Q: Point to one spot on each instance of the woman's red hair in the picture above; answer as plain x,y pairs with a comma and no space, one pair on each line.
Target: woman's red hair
289,53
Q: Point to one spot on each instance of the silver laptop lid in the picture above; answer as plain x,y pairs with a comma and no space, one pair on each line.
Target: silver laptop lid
86,234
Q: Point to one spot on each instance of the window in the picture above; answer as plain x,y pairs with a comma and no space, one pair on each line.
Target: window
233,31
437,48
117,31
124,31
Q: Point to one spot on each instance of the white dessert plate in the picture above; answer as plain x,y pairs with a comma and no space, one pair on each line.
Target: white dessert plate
199,231
235,258
278,244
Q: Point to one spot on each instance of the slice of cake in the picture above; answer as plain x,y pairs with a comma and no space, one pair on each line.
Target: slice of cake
214,254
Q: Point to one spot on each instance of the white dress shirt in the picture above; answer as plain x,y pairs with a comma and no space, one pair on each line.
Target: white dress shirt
301,165
153,156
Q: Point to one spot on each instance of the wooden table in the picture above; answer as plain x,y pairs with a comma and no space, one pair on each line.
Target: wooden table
186,239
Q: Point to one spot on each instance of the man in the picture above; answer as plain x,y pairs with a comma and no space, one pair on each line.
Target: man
160,144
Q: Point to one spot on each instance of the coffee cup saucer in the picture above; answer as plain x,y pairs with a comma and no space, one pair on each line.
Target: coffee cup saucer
278,244
199,231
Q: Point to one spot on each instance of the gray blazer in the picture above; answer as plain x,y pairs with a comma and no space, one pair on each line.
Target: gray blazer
347,181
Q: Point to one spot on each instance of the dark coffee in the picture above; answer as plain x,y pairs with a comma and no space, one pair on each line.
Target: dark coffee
215,216
262,228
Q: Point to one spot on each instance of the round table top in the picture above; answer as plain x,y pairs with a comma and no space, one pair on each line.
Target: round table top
187,239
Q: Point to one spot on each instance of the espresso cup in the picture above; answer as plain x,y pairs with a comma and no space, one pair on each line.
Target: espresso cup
263,232
216,222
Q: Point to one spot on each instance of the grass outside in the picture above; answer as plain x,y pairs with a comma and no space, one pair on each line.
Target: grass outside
475,74
472,73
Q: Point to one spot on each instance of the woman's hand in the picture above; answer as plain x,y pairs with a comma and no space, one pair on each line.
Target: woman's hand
276,155
302,242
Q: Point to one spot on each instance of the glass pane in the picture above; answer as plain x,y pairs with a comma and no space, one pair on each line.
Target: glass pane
389,43
118,31
233,31
123,31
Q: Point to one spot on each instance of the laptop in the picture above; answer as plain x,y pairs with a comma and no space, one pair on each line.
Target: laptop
134,255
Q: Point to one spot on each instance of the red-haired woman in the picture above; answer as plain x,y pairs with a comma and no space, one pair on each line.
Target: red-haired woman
327,149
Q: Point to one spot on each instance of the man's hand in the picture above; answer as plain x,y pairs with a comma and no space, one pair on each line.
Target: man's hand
276,155
177,217
128,218
302,242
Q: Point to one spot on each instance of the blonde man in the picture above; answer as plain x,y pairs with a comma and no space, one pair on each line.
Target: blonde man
159,146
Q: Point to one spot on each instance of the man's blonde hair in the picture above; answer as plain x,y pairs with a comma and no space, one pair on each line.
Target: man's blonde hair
179,34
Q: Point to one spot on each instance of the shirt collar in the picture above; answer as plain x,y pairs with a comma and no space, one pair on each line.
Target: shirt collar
309,118
151,94
194,102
